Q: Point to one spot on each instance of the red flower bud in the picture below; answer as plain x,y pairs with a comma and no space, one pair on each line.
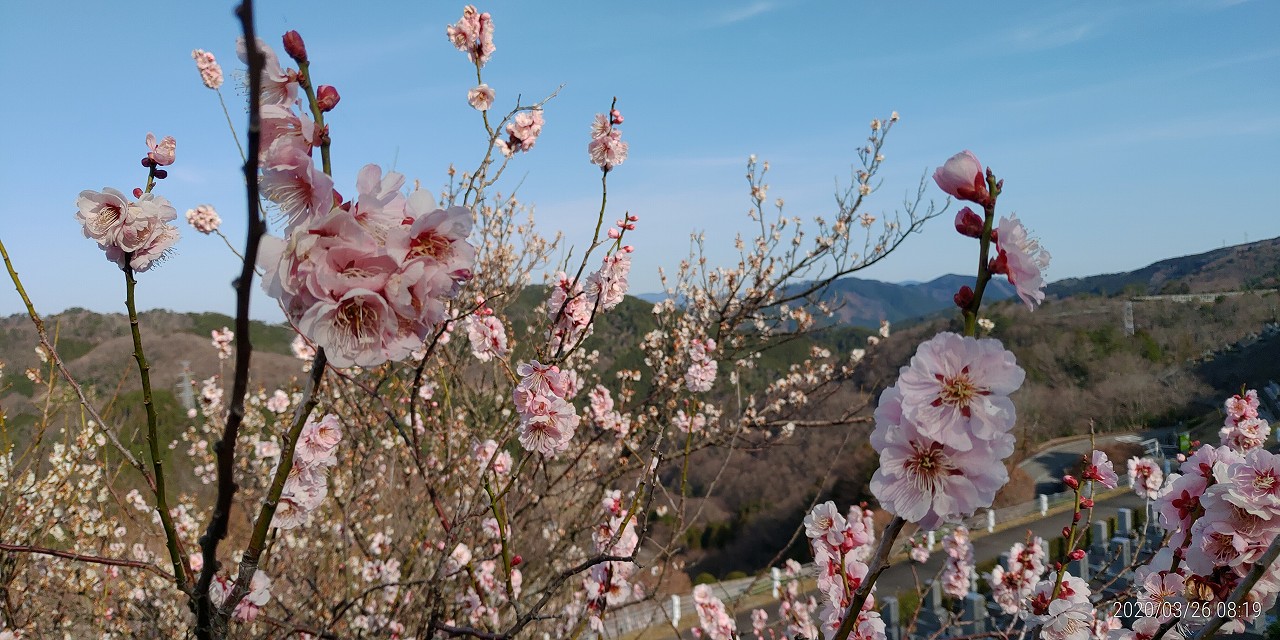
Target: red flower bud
160,174
1071,481
1066,532
964,297
137,192
999,264
969,223
294,46
1078,554
517,560
1086,503
327,97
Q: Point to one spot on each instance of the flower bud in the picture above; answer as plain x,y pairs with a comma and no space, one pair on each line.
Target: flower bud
961,177
1086,503
1078,554
964,297
1075,517
327,97
999,264
294,46
516,560
969,223
160,174
1066,532
137,192
1071,481
615,116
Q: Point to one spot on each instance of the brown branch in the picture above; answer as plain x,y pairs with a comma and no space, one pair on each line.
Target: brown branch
225,448
83,557
878,566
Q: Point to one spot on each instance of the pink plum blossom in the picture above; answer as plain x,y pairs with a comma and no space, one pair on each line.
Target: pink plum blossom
1101,469
210,70
278,402
928,482
204,218
523,131
161,153
319,439
222,339
547,424
1145,477
825,524
291,180
480,97
102,214
1023,260
473,35
962,177
278,85
488,338
956,389
606,149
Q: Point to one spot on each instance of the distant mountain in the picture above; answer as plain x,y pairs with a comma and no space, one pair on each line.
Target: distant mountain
1246,266
864,303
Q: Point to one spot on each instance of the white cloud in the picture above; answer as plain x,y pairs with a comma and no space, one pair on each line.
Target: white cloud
745,12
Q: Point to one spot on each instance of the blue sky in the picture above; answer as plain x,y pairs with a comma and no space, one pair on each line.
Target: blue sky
1127,132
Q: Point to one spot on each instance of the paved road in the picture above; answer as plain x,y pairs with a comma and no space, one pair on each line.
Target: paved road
1046,467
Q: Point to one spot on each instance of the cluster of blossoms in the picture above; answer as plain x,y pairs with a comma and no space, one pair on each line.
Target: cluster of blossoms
919,552
943,430
307,483
714,621
607,150
548,420
222,339
134,234
204,218
1243,429
473,35
1145,477
367,278
1018,256
257,598
522,133
701,373
210,70
1222,511
487,335
797,613
957,570
601,412
572,307
841,547
1060,606
608,584
1011,587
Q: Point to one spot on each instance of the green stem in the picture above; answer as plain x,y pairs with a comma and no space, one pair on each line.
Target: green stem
153,439
304,81
984,255
262,526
